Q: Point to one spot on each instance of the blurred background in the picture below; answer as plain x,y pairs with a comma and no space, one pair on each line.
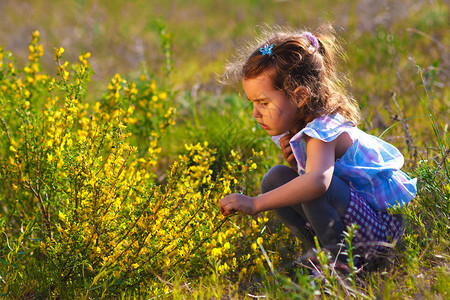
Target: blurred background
122,35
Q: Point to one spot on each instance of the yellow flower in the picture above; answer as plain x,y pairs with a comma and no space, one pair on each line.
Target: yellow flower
226,246
130,110
58,52
162,95
65,75
216,252
61,215
153,85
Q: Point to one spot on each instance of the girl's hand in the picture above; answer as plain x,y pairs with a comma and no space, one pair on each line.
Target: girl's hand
238,203
287,151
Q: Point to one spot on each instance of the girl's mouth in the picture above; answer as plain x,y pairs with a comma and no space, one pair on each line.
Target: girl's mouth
264,126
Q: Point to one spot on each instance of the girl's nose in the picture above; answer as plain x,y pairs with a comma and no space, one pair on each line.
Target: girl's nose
255,112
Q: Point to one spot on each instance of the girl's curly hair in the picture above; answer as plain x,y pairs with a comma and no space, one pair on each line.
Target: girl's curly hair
296,62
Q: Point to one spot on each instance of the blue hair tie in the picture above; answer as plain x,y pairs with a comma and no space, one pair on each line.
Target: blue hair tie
312,39
266,49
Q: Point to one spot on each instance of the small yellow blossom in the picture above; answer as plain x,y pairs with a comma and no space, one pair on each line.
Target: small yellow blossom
216,252
162,96
58,52
226,246
61,215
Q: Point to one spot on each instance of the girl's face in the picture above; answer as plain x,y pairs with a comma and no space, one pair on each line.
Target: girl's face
272,109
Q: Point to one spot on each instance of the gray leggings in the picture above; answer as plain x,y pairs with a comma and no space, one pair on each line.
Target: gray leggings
324,213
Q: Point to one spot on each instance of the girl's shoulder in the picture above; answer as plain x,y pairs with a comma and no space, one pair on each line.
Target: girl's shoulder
326,127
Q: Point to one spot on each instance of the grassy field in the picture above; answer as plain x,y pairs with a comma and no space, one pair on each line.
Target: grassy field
122,202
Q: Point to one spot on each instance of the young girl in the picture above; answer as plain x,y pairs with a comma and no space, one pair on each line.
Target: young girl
338,174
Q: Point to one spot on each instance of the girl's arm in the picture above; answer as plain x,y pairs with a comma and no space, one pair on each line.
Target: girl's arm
307,187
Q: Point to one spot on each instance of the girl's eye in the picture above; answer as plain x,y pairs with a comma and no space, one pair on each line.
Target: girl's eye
263,104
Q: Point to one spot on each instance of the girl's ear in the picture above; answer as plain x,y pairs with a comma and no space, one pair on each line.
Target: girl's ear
301,94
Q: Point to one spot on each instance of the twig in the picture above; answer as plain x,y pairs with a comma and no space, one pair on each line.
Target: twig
438,43
41,207
6,129
256,296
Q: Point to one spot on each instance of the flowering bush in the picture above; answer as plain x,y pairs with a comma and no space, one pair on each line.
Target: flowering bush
82,209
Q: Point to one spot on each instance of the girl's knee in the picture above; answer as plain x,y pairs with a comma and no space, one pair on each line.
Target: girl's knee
276,177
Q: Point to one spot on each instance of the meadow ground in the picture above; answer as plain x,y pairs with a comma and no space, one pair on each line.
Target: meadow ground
108,188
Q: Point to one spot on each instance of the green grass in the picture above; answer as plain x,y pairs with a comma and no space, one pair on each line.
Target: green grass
398,71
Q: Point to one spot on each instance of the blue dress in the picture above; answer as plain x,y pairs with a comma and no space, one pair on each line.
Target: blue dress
370,166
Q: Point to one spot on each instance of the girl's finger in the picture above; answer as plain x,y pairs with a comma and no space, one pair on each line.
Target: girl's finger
286,138
229,208
287,151
284,144
227,212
